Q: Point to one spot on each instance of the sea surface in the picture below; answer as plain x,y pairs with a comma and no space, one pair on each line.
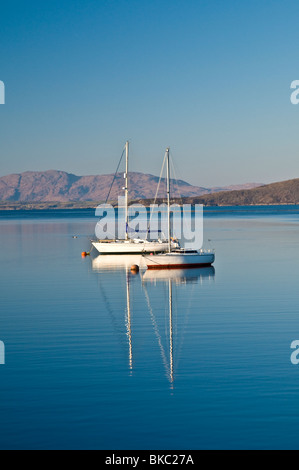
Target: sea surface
97,357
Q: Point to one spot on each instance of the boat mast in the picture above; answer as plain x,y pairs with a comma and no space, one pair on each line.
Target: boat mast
126,188
168,198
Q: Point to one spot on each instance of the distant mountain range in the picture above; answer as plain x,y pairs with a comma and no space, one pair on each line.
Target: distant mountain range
59,186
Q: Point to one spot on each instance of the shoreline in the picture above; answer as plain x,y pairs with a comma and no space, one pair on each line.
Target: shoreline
72,206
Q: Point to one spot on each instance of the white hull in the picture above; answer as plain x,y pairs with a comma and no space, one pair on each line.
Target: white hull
177,260
130,247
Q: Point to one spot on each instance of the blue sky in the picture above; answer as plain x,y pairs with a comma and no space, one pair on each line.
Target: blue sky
209,78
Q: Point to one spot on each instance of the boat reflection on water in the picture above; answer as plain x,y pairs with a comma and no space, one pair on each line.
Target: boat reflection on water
180,276
117,262
170,279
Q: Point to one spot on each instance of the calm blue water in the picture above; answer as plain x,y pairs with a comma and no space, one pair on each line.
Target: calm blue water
98,358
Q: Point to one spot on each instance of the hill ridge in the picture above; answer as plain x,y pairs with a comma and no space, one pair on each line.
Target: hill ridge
60,186
282,192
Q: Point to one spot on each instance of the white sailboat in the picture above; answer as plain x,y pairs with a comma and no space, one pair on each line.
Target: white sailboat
127,245
178,258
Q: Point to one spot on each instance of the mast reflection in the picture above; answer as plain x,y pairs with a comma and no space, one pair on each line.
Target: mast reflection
166,278
171,277
128,322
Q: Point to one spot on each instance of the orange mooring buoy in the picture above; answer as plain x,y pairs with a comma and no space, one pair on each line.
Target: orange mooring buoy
135,268
84,254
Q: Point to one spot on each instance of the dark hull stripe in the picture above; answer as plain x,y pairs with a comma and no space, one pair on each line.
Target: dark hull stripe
178,266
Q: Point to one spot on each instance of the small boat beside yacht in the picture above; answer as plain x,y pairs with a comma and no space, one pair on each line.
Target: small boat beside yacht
178,258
